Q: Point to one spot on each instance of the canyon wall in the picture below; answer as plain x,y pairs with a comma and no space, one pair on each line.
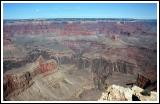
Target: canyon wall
77,28
22,80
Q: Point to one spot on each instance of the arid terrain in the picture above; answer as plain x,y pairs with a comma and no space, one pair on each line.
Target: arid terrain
77,58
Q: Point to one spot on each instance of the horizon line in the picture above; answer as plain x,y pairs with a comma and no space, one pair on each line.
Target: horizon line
81,18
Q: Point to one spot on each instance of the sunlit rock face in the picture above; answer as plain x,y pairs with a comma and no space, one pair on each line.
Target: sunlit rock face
22,79
119,93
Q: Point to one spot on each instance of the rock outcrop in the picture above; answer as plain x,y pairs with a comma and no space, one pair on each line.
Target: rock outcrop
22,78
16,82
137,91
104,68
146,82
50,65
118,93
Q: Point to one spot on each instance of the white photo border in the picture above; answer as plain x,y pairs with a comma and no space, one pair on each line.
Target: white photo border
2,100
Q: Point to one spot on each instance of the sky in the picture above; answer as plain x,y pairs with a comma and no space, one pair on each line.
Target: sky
79,10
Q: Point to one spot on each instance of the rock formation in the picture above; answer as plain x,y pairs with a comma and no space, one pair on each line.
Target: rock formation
23,78
104,68
102,50
47,66
118,93
75,28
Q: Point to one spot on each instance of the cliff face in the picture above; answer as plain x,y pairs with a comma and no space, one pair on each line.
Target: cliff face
47,67
100,68
103,68
16,82
63,59
101,65
75,28
22,80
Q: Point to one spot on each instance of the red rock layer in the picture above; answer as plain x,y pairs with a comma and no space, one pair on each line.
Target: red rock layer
14,81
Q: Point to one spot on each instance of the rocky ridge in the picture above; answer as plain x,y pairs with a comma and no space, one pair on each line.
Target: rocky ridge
119,93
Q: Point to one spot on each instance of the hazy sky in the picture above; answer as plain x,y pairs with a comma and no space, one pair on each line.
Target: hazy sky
79,10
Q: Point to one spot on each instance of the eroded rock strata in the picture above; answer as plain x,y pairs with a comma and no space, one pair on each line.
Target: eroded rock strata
66,59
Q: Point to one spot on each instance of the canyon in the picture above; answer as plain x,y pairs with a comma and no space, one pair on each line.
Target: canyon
77,59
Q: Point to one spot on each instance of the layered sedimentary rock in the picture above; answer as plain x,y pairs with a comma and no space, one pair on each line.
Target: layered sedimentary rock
101,65
102,68
23,78
146,82
16,82
108,51
63,58
83,63
77,28
47,66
